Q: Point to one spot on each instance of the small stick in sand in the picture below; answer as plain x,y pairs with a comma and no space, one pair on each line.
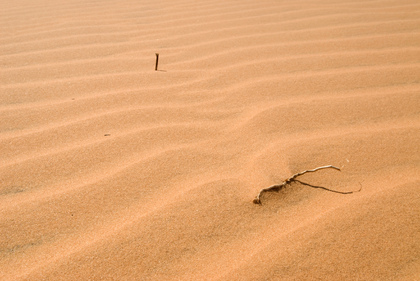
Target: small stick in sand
157,61
277,187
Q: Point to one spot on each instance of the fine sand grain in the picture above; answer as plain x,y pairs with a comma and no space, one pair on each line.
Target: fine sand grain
110,170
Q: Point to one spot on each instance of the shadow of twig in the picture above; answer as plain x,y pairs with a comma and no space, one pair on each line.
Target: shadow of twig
327,189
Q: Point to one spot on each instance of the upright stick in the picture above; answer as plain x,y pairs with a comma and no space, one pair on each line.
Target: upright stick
157,61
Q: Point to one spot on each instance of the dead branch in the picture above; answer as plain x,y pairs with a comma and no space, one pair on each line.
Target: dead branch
277,187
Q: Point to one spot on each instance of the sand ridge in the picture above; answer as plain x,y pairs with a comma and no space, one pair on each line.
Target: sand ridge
110,170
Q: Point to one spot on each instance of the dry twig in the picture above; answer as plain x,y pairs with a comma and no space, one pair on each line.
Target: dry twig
277,187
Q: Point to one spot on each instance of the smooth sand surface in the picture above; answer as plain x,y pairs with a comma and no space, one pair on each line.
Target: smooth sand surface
110,170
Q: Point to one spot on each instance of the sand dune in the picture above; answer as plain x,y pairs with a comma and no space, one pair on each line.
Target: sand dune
110,170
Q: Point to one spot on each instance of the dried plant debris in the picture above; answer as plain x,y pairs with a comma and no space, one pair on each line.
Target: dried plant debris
293,178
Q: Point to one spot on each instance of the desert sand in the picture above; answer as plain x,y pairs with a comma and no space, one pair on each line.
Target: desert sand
110,170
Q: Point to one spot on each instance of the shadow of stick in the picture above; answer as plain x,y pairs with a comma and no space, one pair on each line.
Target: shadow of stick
327,189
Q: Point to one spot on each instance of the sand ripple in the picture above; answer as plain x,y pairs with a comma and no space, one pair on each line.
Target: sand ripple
110,170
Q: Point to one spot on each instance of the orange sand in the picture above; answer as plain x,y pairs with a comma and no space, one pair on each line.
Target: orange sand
110,170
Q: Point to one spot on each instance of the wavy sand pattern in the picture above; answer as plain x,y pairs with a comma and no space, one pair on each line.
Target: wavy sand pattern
113,171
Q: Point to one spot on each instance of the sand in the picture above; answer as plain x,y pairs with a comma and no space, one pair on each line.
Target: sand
110,170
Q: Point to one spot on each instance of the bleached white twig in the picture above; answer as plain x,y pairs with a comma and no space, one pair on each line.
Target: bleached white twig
277,187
